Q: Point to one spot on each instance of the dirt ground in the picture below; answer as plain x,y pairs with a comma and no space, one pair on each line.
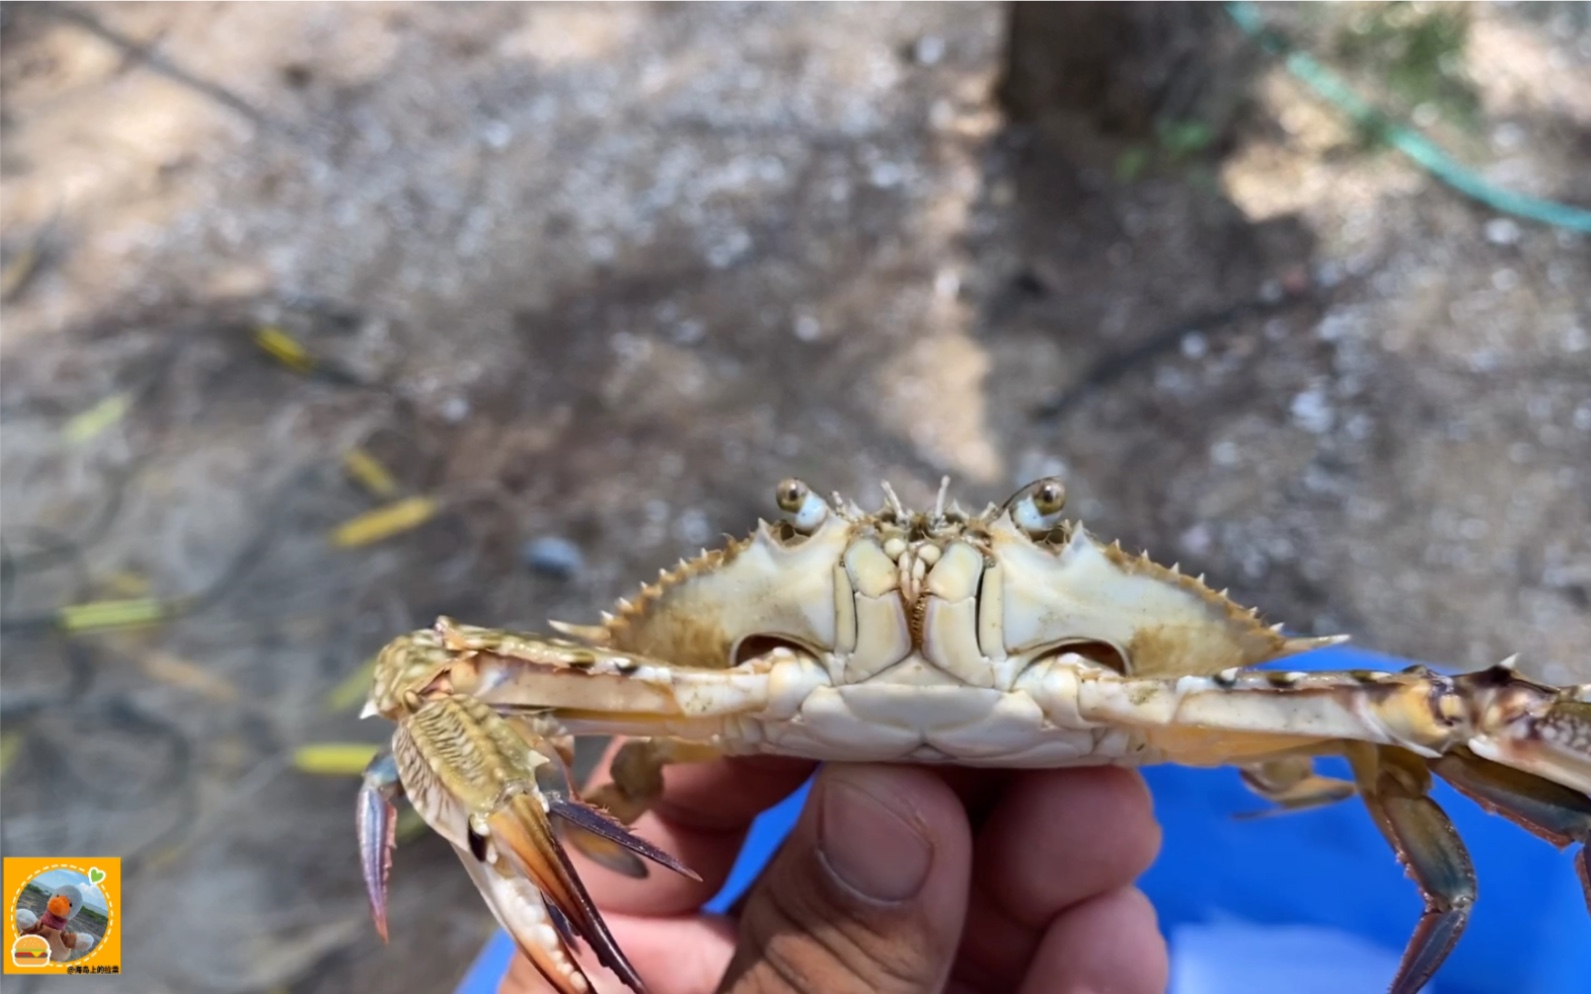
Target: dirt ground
604,273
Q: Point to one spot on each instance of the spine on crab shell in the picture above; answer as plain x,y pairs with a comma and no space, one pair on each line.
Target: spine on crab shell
599,635
1212,630
628,609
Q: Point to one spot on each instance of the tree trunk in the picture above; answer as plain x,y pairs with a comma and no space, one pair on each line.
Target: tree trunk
1129,68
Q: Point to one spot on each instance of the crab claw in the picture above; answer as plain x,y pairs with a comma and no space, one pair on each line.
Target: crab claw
599,836
521,832
493,787
377,819
519,908
610,843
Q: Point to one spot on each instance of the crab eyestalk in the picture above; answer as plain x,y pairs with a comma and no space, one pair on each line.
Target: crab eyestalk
1036,508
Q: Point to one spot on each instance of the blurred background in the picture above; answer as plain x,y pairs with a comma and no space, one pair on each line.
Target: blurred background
321,320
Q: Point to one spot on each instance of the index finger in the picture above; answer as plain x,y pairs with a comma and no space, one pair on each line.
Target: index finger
1055,840
701,819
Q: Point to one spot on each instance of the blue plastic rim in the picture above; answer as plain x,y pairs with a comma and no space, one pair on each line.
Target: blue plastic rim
1299,902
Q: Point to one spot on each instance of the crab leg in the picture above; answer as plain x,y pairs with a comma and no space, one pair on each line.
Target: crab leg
637,773
378,819
1541,807
1394,784
1245,716
1391,709
1391,727
1293,785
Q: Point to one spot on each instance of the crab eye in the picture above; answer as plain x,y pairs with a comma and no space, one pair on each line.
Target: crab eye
1037,510
804,509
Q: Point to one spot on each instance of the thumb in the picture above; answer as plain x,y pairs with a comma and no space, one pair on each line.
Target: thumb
868,894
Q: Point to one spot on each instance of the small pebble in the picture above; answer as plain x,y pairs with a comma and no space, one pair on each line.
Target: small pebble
928,50
1509,136
1312,411
1502,231
497,134
553,557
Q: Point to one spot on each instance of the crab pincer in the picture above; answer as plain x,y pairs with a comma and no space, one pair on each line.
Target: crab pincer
495,792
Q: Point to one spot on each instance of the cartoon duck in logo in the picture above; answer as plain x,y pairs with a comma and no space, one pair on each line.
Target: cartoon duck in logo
63,943
30,950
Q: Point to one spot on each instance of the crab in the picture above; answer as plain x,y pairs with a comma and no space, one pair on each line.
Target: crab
1011,637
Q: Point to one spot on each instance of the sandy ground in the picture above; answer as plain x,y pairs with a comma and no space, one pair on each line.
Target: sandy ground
604,274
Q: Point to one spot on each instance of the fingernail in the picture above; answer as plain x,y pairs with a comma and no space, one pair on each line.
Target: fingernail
871,838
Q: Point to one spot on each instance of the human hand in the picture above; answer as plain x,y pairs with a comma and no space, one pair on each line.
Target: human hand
895,879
